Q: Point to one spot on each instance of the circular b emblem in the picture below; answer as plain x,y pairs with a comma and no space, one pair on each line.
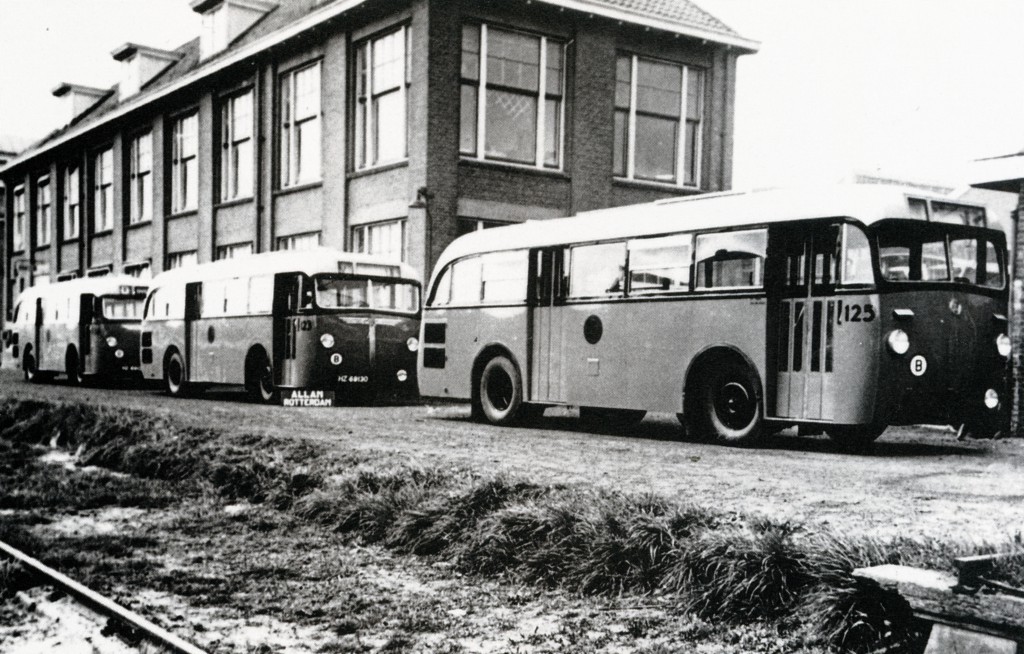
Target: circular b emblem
336,359
918,365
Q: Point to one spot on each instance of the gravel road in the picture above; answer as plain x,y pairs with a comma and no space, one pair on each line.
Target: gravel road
916,481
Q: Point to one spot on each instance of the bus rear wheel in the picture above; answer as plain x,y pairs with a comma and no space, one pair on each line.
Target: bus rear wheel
854,437
174,376
727,407
73,369
259,380
500,393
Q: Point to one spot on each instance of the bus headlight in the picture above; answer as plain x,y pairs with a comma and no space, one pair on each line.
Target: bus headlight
327,340
898,341
413,343
118,354
402,375
1003,345
111,341
991,398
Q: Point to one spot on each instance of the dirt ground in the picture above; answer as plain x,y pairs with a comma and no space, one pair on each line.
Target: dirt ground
915,482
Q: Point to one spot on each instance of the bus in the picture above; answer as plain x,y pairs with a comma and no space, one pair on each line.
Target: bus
301,320
87,329
841,310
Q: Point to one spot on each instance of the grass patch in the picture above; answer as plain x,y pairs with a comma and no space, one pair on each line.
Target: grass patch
586,541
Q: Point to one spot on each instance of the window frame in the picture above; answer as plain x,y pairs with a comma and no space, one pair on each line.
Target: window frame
72,204
293,238
43,211
181,258
232,248
103,192
289,173
230,163
695,275
681,121
362,241
181,201
140,180
482,84
365,122
18,222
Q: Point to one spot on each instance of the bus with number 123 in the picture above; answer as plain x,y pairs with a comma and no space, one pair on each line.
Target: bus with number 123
840,310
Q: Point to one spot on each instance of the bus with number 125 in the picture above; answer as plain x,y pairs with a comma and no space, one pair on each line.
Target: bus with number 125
840,310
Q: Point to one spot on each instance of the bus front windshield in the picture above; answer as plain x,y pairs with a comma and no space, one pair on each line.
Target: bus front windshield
121,307
939,253
355,292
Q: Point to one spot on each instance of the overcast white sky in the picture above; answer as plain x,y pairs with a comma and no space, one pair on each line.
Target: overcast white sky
911,88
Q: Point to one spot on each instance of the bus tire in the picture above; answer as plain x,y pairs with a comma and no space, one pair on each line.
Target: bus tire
259,378
855,437
175,382
28,366
500,394
73,368
727,407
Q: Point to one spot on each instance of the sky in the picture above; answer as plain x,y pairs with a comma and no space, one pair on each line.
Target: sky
914,89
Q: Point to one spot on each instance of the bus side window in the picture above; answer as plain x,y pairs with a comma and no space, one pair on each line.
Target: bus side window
261,294
17,313
148,306
466,281
660,265
856,262
597,270
731,259
503,276
992,267
235,296
442,294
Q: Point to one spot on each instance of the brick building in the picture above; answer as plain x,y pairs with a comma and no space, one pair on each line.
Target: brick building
384,126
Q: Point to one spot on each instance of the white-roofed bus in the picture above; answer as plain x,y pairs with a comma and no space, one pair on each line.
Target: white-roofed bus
87,329
319,319
843,310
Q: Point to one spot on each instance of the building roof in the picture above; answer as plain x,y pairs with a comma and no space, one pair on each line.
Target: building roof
1003,173
866,203
294,17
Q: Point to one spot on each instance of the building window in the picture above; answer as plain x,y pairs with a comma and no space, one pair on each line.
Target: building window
386,239
140,179
67,276
299,241
234,251
184,164
99,271
72,203
382,80
43,203
41,273
236,161
140,269
512,96
18,224
300,126
181,259
658,117
467,225
103,191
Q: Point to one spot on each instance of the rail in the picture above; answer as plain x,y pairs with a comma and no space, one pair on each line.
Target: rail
100,604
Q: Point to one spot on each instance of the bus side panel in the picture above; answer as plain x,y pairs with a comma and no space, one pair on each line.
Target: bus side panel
233,336
166,334
468,332
56,338
645,348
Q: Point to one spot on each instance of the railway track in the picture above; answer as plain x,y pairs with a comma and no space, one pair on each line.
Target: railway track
140,626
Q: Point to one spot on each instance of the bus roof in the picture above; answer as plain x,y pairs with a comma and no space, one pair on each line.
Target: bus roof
105,285
867,203
310,262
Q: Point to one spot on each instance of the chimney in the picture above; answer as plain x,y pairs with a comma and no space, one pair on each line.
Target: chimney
139,64
226,20
77,98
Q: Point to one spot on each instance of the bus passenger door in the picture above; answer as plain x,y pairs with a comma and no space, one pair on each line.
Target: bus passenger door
38,334
801,320
287,300
547,312
193,310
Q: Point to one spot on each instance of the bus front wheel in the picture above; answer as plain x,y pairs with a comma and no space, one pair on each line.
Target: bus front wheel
727,407
500,393
259,379
174,376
